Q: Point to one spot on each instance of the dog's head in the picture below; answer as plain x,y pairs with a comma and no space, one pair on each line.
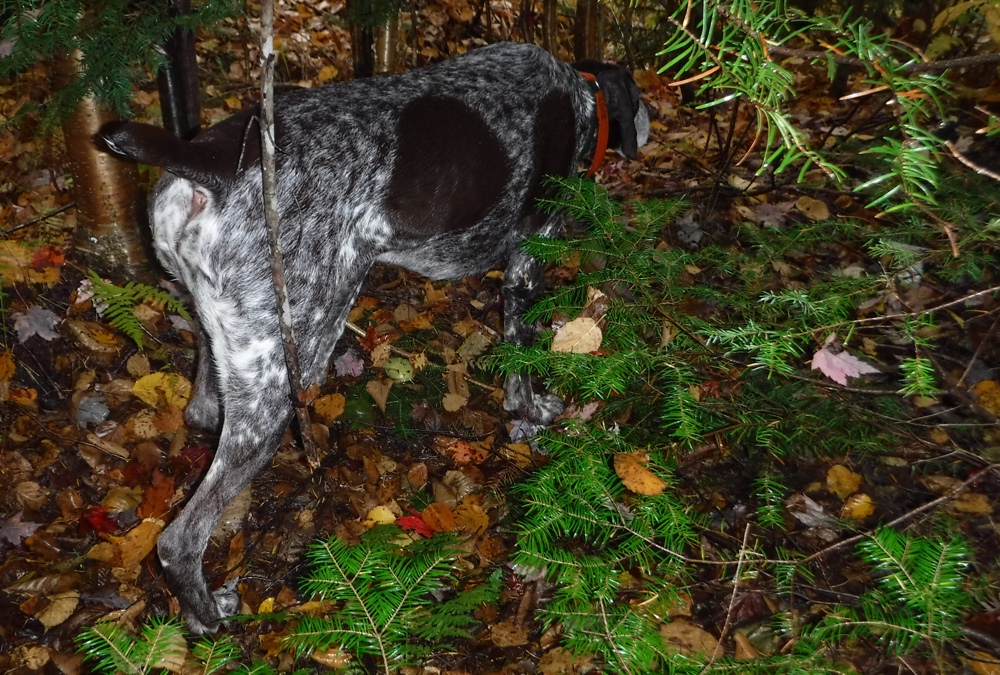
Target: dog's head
629,129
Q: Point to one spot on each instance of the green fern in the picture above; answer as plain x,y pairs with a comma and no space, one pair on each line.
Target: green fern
389,588
119,302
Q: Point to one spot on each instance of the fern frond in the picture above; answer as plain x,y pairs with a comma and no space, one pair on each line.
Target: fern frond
118,304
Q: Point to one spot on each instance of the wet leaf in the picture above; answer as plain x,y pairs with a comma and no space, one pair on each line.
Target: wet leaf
841,481
36,321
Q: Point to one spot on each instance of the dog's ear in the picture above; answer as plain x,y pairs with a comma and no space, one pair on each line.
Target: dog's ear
625,108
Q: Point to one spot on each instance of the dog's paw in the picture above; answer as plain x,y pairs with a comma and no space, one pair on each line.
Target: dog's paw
225,602
521,401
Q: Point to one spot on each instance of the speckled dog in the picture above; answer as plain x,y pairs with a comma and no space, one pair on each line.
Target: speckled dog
437,170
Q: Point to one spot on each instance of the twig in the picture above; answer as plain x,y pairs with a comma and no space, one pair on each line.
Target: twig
983,171
269,182
38,219
732,601
946,497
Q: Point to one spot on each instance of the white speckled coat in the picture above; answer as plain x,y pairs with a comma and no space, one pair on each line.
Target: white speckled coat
437,170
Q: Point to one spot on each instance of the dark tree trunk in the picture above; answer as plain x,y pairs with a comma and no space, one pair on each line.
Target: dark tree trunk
178,81
550,26
587,33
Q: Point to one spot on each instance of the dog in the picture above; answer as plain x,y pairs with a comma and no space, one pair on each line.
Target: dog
438,170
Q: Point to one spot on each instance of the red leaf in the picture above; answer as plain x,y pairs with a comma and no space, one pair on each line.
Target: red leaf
96,518
48,256
416,524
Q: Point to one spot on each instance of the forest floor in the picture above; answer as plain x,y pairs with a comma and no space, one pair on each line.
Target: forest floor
96,454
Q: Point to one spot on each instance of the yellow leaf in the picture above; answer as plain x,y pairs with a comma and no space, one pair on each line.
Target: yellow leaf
858,507
327,73
988,395
7,366
330,407
842,482
138,543
813,209
379,515
631,468
160,390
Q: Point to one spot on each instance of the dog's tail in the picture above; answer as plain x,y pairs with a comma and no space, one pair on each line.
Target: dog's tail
206,162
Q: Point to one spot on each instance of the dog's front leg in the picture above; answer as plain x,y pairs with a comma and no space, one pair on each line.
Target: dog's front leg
523,284
257,411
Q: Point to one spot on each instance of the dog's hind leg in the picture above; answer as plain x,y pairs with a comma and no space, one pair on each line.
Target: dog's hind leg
203,411
523,284
257,411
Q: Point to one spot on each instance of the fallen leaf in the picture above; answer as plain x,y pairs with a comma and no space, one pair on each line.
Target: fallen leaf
379,515
94,337
813,209
379,391
519,453
59,609
971,502
838,367
334,658
582,335
138,543
988,396
439,517
7,366
14,530
330,407
138,365
744,650
160,390
842,482
631,468
36,321
683,637
558,661
470,517
349,364
508,634
415,523
858,507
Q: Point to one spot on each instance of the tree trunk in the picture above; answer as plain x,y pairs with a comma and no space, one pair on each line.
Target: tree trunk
109,205
587,34
362,44
550,26
386,43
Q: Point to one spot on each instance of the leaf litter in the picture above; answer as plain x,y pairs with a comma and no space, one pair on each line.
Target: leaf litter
96,454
